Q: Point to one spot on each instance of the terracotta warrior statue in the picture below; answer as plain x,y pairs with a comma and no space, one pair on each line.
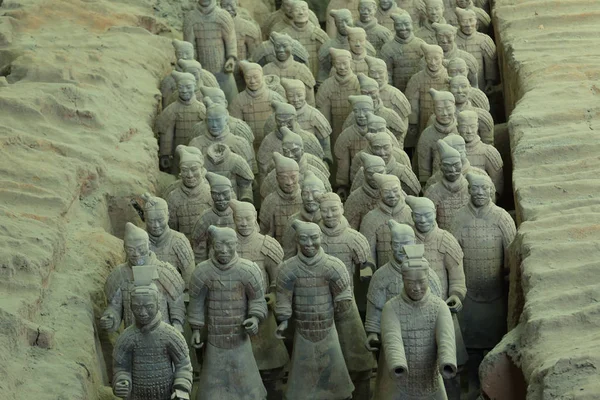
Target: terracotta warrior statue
418,337
375,224
183,51
253,105
236,126
220,215
396,125
482,18
390,96
343,19
285,117
366,197
451,192
380,145
293,147
216,130
480,155
285,201
120,282
167,244
311,189
282,18
332,25
357,40
377,34
221,160
445,36
212,31
150,358
311,36
227,296
458,66
434,13
286,67
191,195
433,76
387,8
484,231
174,124
314,288
265,53
269,352
444,125
402,54
332,97
203,79
480,46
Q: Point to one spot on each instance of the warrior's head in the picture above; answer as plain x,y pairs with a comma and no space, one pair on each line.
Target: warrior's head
403,25
287,173
362,106
311,189
481,189
191,165
137,245
332,209
295,92
156,214
372,165
244,217
224,244
423,213
415,272
402,235
444,106
390,189
221,190
308,237
450,161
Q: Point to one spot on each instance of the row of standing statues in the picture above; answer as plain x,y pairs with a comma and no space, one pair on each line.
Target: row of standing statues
334,212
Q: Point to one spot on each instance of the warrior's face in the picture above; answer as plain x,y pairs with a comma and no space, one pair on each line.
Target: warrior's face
455,70
398,244
184,54
296,97
310,194
379,74
463,3
283,49
300,13
446,41
293,151
224,249
230,6
137,252
391,194
434,61
367,12
468,25
341,23
372,92
386,4
144,306
157,222
383,150
480,193
254,79
444,111
451,169
361,112
245,224
357,43
288,8
403,28
424,220
186,90
332,212
221,196
309,242
216,124
468,130
416,283
191,173
434,12
342,66
286,120
288,181
206,3
460,90
370,175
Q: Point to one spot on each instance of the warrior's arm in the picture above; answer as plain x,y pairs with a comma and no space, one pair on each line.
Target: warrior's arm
412,93
115,309
445,339
257,305
176,309
453,262
229,38
375,301
285,293
198,292
179,353
393,345
123,358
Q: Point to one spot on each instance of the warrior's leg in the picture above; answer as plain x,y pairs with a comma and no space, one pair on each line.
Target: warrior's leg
475,359
272,379
362,384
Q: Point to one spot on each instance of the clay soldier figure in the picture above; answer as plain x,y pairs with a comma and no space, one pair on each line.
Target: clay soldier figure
203,79
480,155
444,125
396,125
191,195
457,67
265,53
269,352
183,51
282,18
212,31
236,126
480,46
120,281
390,96
384,13
332,26
357,40
174,124
285,117
418,337
311,36
434,13
433,76
216,130
380,145
484,231
483,20
293,147
227,294
343,19
402,54
332,97
253,105
391,206
221,160
150,358
285,201
451,192
365,198
377,34
446,35
314,287
220,215
286,67
167,244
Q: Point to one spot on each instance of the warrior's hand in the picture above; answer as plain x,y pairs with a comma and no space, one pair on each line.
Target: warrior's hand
165,163
229,65
412,130
448,371
196,340
281,329
270,298
454,304
251,326
343,193
372,343
178,326
122,389
107,322
489,88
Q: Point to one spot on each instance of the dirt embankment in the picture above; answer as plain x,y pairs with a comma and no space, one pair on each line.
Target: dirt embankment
76,107
551,69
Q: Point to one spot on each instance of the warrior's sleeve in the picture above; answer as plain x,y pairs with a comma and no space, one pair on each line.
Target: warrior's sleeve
445,338
324,67
323,102
188,30
199,238
185,255
114,296
357,179
369,230
273,258
412,94
179,353
288,241
486,126
493,166
349,120
472,66
376,297
198,292
228,34
243,130
424,157
123,357
174,286
410,182
508,231
401,105
387,55
397,126
490,59
311,144
165,128
361,251
285,291
257,305
265,217
342,155
479,99
339,281
391,337
453,262
355,167
172,204
235,108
